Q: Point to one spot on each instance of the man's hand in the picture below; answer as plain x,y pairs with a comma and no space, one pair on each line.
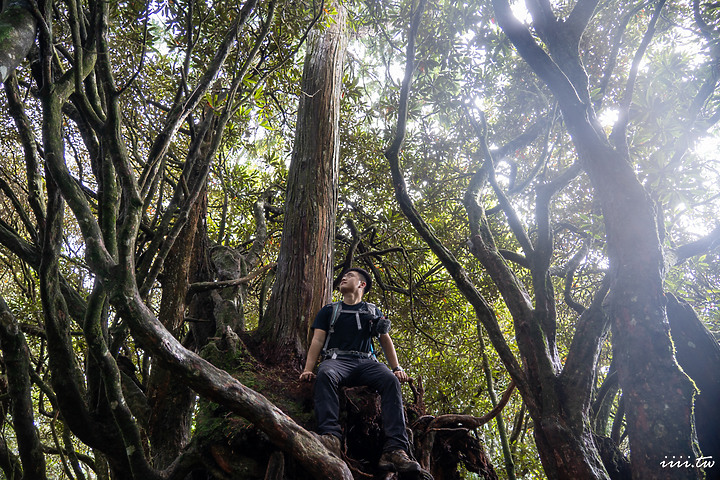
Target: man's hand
307,376
402,376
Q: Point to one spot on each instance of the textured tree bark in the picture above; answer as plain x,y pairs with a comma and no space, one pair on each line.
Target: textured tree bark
17,34
172,402
698,353
304,272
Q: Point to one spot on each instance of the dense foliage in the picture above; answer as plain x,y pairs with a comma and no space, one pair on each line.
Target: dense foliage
176,127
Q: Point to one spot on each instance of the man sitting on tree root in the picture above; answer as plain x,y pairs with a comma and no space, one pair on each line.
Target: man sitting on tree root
343,333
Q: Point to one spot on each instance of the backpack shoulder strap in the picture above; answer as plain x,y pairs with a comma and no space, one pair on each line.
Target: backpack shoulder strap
335,314
333,318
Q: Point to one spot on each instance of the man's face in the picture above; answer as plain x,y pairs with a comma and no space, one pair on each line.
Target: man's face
350,282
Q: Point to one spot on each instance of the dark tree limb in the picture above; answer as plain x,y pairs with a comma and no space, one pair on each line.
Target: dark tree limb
17,31
16,358
30,151
459,275
536,57
469,421
698,353
208,286
708,31
218,386
112,385
350,254
578,19
570,270
545,312
65,374
619,133
604,399
531,339
578,375
652,383
698,247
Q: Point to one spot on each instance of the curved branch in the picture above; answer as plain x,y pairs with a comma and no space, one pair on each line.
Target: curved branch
112,384
65,374
536,57
619,133
180,111
698,247
578,375
9,462
459,275
28,140
469,421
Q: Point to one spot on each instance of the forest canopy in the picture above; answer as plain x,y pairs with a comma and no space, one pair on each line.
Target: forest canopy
533,186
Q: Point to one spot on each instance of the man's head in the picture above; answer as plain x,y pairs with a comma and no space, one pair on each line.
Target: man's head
354,278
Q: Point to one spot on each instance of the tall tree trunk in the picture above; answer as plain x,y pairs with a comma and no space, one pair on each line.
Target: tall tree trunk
659,395
172,402
304,268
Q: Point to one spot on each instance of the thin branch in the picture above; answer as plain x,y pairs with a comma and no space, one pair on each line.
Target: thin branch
143,53
459,275
180,111
199,287
112,383
512,217
570,268
580,16
469,421
536,57
698,247
614,49
16,107
15,201
619,133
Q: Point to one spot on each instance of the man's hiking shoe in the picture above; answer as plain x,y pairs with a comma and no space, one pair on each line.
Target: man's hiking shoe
332,443
398,461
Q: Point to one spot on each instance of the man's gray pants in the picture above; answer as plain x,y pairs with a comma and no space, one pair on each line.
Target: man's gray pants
354,372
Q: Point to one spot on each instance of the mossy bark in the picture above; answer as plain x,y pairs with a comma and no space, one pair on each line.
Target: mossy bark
17,34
